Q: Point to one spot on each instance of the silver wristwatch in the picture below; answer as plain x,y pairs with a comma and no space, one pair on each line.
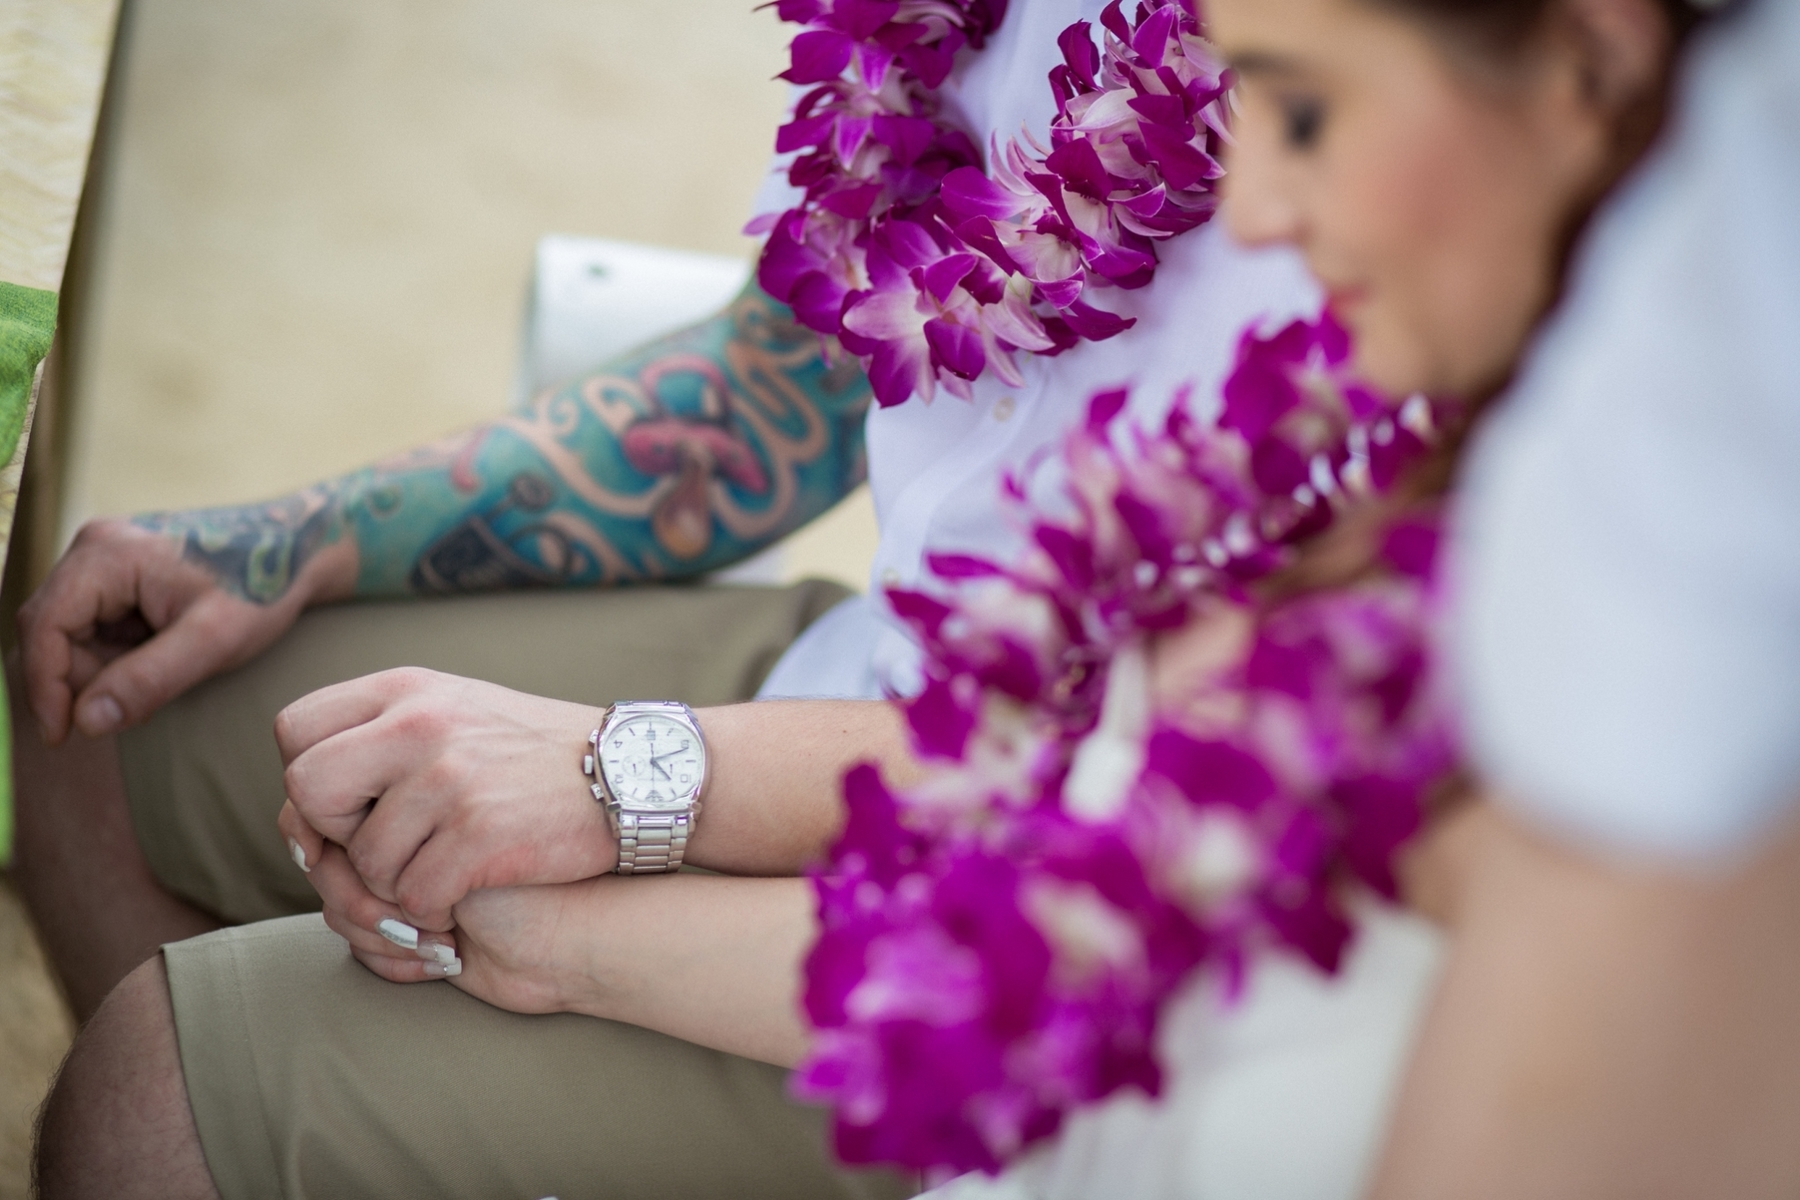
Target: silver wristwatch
648,763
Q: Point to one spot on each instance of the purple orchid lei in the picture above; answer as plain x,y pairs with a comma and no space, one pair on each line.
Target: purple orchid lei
998,940
933,270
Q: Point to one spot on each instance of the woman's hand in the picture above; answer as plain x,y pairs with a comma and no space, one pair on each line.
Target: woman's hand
542,949
138,612
379,934
709,959
437,785
525,948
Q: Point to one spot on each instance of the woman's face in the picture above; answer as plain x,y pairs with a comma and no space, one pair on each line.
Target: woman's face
1430,187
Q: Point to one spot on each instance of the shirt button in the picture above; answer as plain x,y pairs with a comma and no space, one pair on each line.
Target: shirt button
890,578
1003,408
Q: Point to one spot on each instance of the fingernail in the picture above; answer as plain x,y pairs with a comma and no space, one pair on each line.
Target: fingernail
299,856
436,950
398,932
101,714
449,970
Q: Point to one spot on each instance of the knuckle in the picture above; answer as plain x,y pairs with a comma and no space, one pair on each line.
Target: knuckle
407,680
295,779
335,923
417,898
363,911
340,922
284,727
92,530
366,861
424,722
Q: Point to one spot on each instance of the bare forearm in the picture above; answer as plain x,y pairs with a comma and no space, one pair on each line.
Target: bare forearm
710,960
774,800
1609,1031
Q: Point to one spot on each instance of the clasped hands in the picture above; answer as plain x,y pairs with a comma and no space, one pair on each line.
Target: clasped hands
456,808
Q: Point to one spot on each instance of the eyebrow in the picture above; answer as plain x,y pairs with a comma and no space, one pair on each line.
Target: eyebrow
1261,62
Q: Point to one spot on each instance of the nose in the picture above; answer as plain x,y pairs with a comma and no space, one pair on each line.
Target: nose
1259,206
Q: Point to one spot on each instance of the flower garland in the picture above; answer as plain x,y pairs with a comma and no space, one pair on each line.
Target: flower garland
998,940
934,272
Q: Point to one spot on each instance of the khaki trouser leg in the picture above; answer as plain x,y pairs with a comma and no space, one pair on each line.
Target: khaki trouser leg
311,1077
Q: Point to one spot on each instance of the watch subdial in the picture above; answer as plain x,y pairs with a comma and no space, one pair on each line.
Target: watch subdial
651,762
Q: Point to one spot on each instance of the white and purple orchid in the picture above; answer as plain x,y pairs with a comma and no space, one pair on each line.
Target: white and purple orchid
998,940
935,270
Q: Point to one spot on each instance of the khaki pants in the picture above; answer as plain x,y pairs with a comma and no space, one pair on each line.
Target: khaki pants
311,1077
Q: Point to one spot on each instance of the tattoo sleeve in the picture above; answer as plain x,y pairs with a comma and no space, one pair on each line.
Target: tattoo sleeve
678,458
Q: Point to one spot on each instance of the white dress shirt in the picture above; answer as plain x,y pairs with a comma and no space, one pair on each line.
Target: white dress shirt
935,469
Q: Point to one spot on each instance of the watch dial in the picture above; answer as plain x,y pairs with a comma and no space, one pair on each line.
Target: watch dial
651,761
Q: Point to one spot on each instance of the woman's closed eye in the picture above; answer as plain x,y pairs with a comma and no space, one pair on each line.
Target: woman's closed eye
1302,121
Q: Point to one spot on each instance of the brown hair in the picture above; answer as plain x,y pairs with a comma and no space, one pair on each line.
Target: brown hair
1503,26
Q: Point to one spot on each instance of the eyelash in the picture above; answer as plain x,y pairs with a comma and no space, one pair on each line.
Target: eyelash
1301,121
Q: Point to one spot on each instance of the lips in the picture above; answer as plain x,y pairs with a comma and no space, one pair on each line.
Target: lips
1342,300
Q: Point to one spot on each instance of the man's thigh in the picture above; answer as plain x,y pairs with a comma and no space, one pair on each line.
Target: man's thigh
311,1077
204,778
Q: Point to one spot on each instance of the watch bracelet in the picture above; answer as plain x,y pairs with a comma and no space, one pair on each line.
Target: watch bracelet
649,845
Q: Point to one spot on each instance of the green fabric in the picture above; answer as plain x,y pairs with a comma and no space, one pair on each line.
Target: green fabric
27,323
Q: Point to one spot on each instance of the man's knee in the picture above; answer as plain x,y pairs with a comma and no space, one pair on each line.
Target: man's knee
118,1123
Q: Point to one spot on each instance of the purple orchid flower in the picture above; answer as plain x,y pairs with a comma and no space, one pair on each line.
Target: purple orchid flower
994,955
928,269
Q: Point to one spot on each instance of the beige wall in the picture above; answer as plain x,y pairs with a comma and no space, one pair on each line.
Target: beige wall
321,217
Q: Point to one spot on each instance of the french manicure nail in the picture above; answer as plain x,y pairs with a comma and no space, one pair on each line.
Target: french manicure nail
398,932
436,951
299,856
101,715
439,970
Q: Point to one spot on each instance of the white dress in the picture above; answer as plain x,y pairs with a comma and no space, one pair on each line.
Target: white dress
1285,1093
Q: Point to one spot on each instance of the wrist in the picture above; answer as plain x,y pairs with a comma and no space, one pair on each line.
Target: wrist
598,839
604,963
330,575
647,763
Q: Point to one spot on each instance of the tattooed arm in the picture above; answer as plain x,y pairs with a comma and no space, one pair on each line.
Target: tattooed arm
683,456
676,459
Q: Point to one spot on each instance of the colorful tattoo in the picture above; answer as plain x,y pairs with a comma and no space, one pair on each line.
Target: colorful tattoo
257,550
682,457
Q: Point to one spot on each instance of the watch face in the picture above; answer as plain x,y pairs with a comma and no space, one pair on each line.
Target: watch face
651,761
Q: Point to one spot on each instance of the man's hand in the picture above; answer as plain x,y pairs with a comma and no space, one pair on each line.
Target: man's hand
127,621
437,785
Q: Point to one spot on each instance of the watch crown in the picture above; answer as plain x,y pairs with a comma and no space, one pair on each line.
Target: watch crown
587,764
